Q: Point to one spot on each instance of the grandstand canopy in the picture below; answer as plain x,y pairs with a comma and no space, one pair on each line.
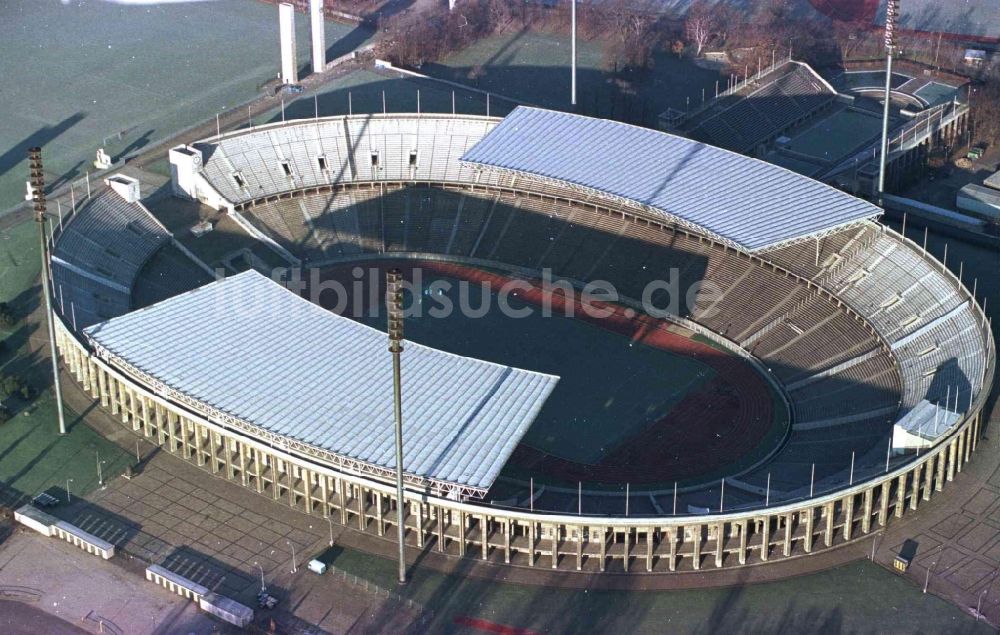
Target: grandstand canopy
248,349
745,202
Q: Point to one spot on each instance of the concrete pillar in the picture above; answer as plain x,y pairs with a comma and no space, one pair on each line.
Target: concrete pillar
883,504
603,556
828,513
213,455
961,451
672,539
848,506
975,432
307,485
743,541
942,460
554,529
286,29
967,436
462,527
362,521
441,528
485,533
900,494
720,543
379,526
102,385
866,520
258,466
696,547
506,541
765,541
628,549
928,478
789,522
915,495
952,450
649,549
244,477
318,31
579,547
147,426
228,452
171,431
531,543
810,518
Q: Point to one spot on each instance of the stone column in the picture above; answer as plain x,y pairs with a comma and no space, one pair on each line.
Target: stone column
555,545
828,512
942,460
743,541
900,494
952,450
866,521
928,478
628,548
696,547
531,543
672,538
484,530
883,503
506,540
765,542
649,549
789,522
916,486
848,506
462,532
810,518
440,528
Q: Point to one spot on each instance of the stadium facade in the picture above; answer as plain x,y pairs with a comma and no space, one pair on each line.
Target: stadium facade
869,338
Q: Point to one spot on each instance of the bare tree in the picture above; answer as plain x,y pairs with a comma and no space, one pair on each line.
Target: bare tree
700,25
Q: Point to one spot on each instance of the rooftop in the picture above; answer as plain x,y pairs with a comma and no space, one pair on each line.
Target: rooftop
255,354
747,203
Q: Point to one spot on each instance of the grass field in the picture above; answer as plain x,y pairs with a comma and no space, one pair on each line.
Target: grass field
83,71
19,260
535,67
34,458
857,598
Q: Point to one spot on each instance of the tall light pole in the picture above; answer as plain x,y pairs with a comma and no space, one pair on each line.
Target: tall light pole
37,176
394,308
295,567
891,12
572,98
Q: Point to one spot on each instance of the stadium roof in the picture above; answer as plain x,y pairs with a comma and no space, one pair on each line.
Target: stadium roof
745,202
252,353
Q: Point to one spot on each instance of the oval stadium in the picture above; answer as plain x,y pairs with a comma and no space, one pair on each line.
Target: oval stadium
738,364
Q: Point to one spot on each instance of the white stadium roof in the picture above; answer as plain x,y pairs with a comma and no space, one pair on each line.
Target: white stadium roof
248,349
745,202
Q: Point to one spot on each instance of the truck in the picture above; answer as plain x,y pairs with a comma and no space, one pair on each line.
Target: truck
322,562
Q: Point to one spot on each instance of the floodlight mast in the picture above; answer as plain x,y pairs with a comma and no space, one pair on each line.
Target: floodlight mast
572,99
891,13
37,179
394,308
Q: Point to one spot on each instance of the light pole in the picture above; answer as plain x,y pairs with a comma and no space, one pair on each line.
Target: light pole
572,99
394,307
69,497
100,472
37,175
263,588
927,578
294,567
891,11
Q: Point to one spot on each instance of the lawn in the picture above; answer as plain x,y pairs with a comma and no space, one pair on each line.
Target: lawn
88,70
535,67
34,458
856,598
19,260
